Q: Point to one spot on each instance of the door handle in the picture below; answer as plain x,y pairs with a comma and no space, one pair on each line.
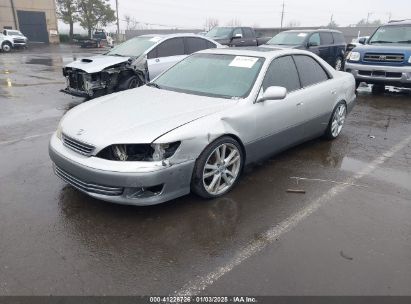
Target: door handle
242,41
300,104
333,92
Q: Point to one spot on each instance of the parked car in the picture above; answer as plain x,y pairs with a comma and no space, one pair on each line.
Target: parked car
130,64
19,40
196,125
385,58
6,43
330,45
236,36
100,38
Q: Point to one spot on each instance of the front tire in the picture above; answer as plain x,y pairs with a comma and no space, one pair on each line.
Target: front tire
218,168
378,89
337,121
129,83
6,47
339,64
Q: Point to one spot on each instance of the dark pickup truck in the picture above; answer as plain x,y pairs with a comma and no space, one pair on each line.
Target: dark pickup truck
236,36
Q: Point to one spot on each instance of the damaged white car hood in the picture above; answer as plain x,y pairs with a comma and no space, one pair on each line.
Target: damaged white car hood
139,115
96,63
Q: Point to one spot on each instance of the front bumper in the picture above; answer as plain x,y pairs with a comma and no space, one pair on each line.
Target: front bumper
74,92
378,74
118,186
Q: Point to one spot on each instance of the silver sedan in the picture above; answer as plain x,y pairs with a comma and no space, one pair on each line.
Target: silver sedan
197,125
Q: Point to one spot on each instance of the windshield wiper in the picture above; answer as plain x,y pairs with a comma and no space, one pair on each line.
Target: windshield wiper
152,84
116,55
404,41
380,41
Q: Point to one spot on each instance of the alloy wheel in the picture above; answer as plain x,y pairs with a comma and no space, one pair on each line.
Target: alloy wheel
221,169
338,120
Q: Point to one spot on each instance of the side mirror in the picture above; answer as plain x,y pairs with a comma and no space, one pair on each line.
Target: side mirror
362,40
312,43
237,36
273,93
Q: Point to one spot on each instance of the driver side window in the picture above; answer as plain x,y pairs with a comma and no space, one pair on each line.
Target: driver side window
282,72
315,38
237,31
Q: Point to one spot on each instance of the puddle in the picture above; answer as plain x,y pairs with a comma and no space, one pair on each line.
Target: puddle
41,61
396,177
6,72
9,84
40,77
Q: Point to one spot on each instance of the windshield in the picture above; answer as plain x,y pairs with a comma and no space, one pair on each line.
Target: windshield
134,47
16,33
223,32
225,76
288,38
392,34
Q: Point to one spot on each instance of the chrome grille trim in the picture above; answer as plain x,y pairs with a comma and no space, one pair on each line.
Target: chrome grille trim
87,187
77,146
379,57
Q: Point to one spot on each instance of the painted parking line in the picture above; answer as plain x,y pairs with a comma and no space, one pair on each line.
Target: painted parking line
197,285
7,142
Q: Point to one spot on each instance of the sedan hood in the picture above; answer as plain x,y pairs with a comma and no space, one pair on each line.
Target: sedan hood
96,63
137,116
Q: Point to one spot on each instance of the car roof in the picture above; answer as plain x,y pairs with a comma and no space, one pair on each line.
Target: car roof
172,35
263,52
398,22
313,30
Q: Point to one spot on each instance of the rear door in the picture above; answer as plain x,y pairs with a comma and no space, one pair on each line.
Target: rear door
319,95
327,49
165,55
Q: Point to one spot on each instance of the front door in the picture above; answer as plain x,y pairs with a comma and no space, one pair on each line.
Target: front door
164,56
278,122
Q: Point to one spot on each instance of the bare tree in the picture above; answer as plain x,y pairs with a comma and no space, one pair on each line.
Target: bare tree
293,23
234,22
210,23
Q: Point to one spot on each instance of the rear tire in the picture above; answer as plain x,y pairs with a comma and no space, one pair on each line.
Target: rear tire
218,168
336,122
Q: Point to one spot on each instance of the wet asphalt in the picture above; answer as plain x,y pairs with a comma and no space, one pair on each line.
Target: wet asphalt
340,240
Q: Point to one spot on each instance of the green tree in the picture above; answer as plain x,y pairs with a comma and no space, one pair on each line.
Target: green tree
67,12
93,13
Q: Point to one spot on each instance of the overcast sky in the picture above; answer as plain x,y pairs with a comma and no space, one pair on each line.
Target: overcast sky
263,13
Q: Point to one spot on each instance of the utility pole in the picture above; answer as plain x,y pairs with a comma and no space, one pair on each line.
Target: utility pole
389,16
118,24
14,14
282,16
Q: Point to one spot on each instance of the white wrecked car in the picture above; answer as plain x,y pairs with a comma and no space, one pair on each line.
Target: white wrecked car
131,64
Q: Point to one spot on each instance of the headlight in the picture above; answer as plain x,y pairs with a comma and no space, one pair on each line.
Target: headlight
59,131
139,152
354,56
409,60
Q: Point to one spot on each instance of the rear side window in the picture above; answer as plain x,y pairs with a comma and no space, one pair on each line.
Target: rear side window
310,71
315,39
248,33
338,38
326,38
197,44
171,47
282,73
